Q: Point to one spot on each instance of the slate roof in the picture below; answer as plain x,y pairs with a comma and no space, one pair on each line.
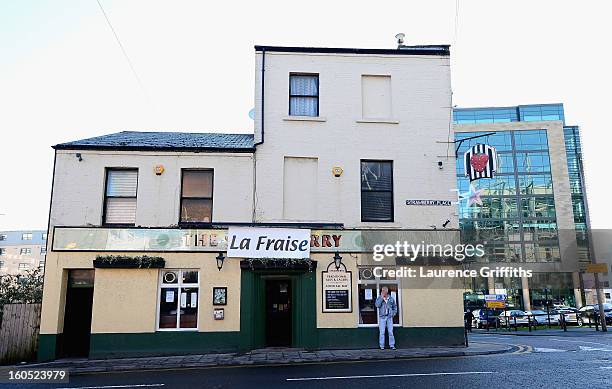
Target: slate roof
168,141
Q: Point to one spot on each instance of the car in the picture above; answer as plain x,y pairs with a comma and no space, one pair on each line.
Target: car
588,314
570,314
513,317
541,317
484,316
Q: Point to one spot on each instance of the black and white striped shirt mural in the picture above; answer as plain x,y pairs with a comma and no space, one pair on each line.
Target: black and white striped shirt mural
480,162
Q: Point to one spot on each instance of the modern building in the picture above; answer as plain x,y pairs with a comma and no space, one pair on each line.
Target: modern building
534,210
175,243
21,251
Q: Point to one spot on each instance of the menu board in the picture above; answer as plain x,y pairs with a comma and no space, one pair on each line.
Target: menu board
337,290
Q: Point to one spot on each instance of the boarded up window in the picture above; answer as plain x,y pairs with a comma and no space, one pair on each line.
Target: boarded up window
300,188
376,97
120,202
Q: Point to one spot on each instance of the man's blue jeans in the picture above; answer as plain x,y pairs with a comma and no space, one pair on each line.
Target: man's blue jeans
385,322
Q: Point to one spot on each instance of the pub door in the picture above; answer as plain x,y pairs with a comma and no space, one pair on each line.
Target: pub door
278,313
77,316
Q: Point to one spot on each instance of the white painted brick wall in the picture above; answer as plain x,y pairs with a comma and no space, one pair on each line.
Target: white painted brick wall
421,104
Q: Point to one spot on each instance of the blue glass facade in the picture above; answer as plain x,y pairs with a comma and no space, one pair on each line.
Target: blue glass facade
517,218
520,113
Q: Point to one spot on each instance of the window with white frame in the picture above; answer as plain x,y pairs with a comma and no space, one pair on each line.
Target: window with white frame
26,236
3,237
179,291
41,265
369,290
25,251
2,251
43,250
120,196
44,236
304,95
1,264
24,266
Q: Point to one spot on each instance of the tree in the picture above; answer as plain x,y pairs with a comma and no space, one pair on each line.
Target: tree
25,288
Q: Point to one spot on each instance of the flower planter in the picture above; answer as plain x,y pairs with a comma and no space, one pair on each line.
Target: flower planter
124,262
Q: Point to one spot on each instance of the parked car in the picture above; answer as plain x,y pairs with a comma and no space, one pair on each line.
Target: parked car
484,316
588,314
512,317
570,314
540,317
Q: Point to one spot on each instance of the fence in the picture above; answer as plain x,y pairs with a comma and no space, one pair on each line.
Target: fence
19,332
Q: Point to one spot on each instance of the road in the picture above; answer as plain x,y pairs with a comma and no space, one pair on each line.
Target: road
541,362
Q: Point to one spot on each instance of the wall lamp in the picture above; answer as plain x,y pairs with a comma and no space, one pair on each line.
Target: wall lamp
337,260
220,259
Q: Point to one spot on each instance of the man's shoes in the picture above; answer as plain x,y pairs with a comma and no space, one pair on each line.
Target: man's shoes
382,348
393,348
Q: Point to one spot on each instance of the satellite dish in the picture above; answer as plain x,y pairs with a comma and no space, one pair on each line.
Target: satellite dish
252,113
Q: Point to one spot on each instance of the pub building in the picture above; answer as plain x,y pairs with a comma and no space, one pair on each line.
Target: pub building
165,243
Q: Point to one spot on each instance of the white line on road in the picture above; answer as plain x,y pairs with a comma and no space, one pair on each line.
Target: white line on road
580,341
114,386
388,375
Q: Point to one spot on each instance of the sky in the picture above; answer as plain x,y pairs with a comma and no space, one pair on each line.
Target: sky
63,76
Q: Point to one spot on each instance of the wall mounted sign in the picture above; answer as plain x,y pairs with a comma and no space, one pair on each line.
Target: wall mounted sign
444,203
94,239
246,242
219,295
218,313
337,289
480,161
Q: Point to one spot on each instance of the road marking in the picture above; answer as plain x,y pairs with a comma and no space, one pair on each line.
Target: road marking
547,350
388,375
114,386
586,348
580,341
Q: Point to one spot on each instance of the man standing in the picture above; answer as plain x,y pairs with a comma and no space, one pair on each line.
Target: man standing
387,308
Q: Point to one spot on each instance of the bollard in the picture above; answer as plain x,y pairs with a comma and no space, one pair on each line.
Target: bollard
515,326
529,322
562,317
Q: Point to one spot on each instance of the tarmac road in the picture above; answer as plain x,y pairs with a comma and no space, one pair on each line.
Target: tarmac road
568,360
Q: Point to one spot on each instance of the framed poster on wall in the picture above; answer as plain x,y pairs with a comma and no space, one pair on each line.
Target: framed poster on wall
219,295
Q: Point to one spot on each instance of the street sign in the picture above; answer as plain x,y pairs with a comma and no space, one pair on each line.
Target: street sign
597,268
495,300
495,297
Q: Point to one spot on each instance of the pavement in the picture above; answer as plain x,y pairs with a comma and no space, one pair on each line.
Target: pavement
267,356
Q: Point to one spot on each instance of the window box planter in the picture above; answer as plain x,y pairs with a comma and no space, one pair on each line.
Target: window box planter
125,262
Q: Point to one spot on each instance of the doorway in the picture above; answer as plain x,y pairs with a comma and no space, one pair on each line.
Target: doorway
77,315
278,313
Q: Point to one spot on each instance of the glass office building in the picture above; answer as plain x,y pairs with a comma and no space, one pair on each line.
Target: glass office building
518,215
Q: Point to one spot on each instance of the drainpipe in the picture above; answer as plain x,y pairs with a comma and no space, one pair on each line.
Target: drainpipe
263,95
